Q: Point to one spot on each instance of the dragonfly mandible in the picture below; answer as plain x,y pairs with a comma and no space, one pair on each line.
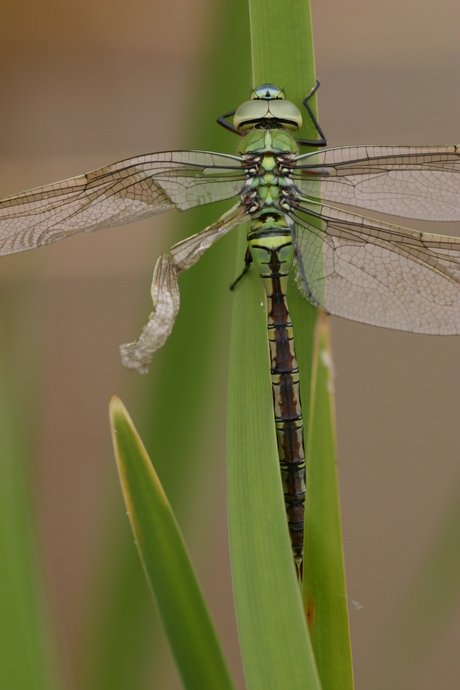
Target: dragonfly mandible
351,266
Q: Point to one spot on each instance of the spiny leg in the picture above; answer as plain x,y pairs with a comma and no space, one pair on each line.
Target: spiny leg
311,142
247,262
223,122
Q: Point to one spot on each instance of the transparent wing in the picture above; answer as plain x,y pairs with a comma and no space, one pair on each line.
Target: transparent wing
377,273
121,193
409,181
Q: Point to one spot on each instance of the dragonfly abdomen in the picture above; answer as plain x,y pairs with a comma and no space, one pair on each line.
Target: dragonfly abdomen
270,244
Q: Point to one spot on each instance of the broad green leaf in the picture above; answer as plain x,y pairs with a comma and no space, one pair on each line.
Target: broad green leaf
325,595
166,563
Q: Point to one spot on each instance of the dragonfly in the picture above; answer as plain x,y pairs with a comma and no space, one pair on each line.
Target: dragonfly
348,265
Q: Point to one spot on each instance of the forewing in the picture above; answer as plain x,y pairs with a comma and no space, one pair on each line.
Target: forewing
121,193
409,181
377,273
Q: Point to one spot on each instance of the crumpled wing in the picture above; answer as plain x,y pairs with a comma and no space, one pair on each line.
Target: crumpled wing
166,302
187,252
137,356
121,193
409,181
375,272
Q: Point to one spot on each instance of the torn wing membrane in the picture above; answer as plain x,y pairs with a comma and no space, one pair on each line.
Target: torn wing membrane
166,302
376,272
165,289
421,182
121,193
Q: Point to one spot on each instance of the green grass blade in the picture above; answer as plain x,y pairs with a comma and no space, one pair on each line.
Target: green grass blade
27,659
282,54
282,51
273,634
184,614
325,595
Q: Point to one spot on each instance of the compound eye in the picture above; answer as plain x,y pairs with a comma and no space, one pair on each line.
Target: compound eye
287,113
250,113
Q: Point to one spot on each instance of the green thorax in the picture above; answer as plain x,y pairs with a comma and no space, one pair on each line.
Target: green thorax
268,140
265,152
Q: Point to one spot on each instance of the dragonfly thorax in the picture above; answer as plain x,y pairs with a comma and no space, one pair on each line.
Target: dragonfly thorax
269,185
268,159
267,109
259,142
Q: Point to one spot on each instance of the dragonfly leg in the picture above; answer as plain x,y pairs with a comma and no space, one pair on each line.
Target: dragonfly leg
311,142
247,262
222,120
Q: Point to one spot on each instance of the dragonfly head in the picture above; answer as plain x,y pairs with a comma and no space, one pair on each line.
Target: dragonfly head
267,109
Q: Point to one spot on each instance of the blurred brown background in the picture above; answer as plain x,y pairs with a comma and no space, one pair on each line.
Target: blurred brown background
84,84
